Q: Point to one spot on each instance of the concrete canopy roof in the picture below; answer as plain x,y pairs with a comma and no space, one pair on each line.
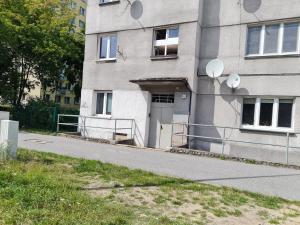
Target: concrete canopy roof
164,81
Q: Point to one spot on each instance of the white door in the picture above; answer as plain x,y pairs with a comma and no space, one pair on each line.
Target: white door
161,125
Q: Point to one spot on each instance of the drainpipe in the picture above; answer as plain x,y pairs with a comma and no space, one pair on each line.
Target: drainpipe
190,111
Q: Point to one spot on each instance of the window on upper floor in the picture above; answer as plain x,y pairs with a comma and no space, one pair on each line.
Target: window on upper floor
275,114
273,39
108,47
104,103
166,42
81,24
82,11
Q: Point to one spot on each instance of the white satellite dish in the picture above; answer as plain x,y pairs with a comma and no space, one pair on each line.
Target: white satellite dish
233,81
215,68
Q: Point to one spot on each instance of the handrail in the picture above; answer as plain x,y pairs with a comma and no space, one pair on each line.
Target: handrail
81,124
223,139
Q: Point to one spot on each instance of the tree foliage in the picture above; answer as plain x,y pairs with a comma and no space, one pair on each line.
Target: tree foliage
37,41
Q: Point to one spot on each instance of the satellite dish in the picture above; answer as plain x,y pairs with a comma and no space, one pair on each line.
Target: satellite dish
233,81
215,68
136,9
251,6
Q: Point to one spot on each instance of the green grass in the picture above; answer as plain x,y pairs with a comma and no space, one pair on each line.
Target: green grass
40,188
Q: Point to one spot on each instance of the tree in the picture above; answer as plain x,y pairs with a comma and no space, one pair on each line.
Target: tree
37,41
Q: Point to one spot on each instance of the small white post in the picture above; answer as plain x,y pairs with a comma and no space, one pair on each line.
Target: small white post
9,136
4,116
287,147
223,141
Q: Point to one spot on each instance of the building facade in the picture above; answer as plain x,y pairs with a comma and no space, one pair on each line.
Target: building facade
146,60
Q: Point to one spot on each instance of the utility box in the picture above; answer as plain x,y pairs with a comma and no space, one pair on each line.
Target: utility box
9,131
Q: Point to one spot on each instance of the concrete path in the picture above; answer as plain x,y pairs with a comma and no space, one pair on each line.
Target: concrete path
256,178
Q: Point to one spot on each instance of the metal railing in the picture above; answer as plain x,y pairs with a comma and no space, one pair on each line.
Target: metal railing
84,123
223,137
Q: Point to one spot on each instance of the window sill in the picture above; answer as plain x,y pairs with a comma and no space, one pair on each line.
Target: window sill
292,55
267,129
156,58
106,60
101,116
109,3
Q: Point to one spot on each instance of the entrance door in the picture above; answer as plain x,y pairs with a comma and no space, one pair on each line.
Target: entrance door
161,123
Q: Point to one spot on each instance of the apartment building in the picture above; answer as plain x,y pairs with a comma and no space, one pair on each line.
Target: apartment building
64,95
146,60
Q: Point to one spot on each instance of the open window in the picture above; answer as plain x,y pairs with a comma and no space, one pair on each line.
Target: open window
166,42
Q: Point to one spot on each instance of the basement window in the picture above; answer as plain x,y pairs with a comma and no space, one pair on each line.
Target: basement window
269,114
104,103
166,42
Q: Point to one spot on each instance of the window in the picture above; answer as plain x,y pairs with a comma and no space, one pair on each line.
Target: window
274,114
47,97
285,113
108,1
81,24
104,103
273,39
248,111
57,99
166,42
67,100
108,47
73,5
76,100
163,98
82,11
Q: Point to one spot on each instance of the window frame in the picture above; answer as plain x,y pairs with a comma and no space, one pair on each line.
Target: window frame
56,98
275,114
82,11
67,100
279,44
168,41
102,2
104,114
108,47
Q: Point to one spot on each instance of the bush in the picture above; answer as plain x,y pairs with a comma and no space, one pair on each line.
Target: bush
5,108
39,114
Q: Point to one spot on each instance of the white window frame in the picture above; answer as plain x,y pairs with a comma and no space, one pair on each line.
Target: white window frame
165,42
274,127
279,44
103,2
108,58
104,114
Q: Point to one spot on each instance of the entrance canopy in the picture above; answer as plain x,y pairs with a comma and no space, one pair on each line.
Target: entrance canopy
168,83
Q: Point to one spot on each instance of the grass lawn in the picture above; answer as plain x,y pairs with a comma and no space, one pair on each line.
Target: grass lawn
42,188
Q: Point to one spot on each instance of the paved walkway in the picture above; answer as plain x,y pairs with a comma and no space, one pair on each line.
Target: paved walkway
256,178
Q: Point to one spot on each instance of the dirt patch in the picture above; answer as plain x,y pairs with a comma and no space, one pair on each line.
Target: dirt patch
198,207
